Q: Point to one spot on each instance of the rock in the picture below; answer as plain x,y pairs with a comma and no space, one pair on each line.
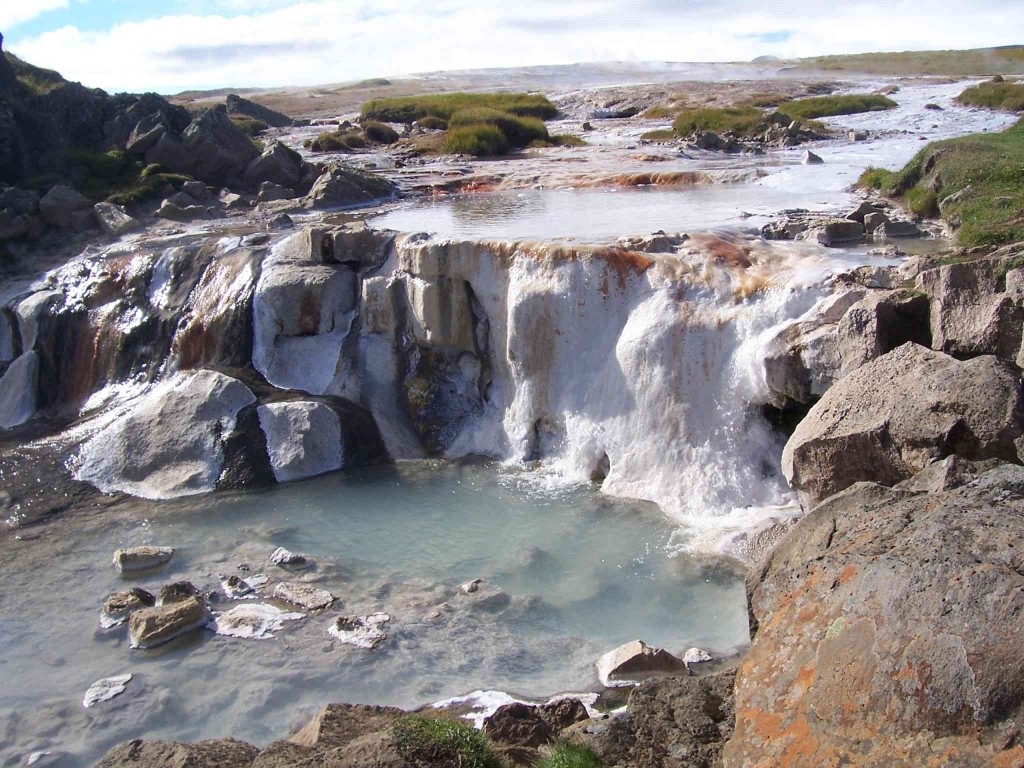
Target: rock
252,621
119,606
105,689
196,190
279,222
862,211
857,135
303,595
177,592
898,229
956,197
337,725
893,416
635,661
810,158
236,105
479,595
113,220
362,631
518,724
278,165
971,311
345,187
83,220
879,323
255,241
150,627
282,556
563,713
303,439
874,220
883,632
696,656
222,753
833,232
219,150
58,205
141,558
235,587
18,388
471,586
171,442
233,202
269,192
174,212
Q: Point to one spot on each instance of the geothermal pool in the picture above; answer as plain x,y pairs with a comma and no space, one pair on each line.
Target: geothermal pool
582,573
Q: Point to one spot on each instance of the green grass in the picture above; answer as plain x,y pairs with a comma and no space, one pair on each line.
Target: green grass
34,79
567,140
112,176
518,131
432,123
989,166
379,132
479,140
1008,97
443,743
665,134
830,106
742,121
567,754
979,61
338,142
658,112
409,109
250,125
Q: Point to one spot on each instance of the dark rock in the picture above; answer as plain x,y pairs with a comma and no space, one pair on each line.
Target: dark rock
277,164
342,187
336,725
177,592
279,222
60,203
113,220
236,105
520,725
222,753
219,150
269,192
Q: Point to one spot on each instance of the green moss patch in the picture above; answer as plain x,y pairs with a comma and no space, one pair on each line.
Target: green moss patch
662,135
830,106
409,109
250,126
443,743
479,140
338,141
742,121
380,133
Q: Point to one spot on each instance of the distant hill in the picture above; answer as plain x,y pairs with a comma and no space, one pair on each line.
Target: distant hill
978,61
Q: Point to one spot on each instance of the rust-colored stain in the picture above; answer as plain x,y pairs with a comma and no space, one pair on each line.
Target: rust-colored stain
309,314
848,573
730,254
1010,758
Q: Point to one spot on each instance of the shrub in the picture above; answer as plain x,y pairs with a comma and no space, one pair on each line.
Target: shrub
1008,97
443,743
338,142
922,202
878,179
250,126
380,132
662,135
477,140
567,754
742,121
432,123
830,106
409,109
518,131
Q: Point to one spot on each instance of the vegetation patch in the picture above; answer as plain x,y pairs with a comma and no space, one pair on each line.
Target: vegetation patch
338,141
250,125
830,106
34,79
409,109
658,112
741,121
975,182
432,123
567,754
664,134
111,176
479,140
518,131
379,132
1008,97
443,743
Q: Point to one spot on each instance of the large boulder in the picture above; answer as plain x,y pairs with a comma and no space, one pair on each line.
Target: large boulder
888,631
971,311
59,205
303,439
222,753
171,443
236,105
220,151
113,220
347,187
880,322
277,164
635,661
890,418
336,725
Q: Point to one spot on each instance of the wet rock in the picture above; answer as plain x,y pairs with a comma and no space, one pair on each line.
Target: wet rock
170,443
196,190
222,753
59,204
113,220
810,158
255,241
898,229
883,633
834,232
119,606
18,390
874,220
303,595
303,439
635,661
862,211
278,165
173,212
150,627
893,416
362,631
236,587
252,621
337,725
279,222
177,592
341,187
479,595
105,689
282,556
141,558
471,586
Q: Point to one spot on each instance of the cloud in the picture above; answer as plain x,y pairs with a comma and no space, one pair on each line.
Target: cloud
13,12
307,42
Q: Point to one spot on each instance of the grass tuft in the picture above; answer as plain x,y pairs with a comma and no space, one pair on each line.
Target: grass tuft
1008,97
250,126
663,135
567,754
830,106
338,142
479,140
658,112
443,743
742,121
409,109
518,131
379,132
432,123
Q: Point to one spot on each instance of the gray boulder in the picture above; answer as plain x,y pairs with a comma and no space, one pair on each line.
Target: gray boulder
150,627
141,558
113,220
834,232
277,164
303,439
889,229
890,418
119,607
886,632
269,192
873,221
236,105
635,661
880,322
60,203
219,149
809,157
346,187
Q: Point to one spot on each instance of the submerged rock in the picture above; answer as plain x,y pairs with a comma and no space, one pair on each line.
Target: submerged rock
362,631
236,587
257,622
141,558
282,556
303,595
177,592
150,627
119,606
105,689
635,661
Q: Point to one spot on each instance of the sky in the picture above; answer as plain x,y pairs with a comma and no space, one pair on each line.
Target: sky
137,45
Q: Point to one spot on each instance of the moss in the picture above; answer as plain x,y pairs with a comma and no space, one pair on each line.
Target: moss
567,754
662,135
432,123
658,112
742,121
380,133
518,131
443,743
1008,97
830,106
250,126
409,109
480,140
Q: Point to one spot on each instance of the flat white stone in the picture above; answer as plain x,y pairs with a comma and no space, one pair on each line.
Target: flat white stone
304,595
696,656
253,622
105,689
362,631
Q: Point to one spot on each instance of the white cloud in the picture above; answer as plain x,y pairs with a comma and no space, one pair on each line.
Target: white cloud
323,41
14,12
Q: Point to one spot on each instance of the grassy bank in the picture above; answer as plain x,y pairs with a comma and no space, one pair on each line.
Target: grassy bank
830,106
742,121
977,61
1008,97
409,109
974,182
